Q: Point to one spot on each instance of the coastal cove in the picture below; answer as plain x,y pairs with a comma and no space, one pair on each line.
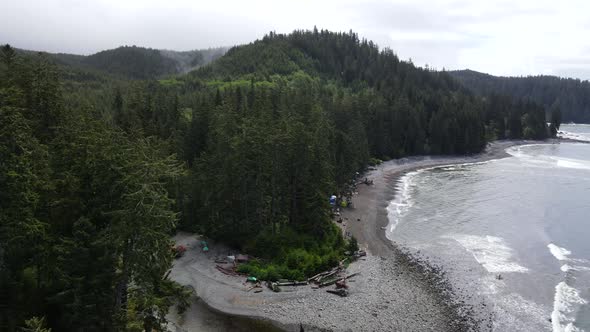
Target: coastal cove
397,287
513,231
276,175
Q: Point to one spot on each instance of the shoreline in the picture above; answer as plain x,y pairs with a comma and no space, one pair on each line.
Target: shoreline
395,290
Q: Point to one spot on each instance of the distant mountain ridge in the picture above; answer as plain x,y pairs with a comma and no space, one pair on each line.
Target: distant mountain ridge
138,62
571,96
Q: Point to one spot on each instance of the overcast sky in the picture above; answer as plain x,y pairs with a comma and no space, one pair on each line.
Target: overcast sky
501,37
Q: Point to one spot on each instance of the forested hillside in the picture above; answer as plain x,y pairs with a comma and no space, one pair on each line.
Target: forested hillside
85,212
571,96
137,62
97,173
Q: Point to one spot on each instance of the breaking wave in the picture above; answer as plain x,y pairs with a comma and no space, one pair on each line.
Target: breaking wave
399,206
559,252
567,300
402,202
542,160
491,252
574,136
581,132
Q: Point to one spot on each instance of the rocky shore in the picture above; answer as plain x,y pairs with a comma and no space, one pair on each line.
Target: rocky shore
395,291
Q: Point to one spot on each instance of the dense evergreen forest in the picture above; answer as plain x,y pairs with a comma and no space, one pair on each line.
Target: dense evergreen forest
85,212
97,171
133,62
570,96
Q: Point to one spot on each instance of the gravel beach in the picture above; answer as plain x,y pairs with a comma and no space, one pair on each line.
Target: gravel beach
394,291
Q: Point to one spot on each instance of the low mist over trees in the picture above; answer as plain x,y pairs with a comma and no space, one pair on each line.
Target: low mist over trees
133,62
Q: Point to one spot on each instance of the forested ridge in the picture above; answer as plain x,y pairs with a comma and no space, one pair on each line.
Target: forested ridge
134,62
97,172
570,96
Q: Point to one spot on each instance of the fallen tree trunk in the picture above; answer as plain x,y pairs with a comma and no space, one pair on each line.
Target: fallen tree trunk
321,275
294,283
253,287
331,274
352,275
226,271
328,283
331,282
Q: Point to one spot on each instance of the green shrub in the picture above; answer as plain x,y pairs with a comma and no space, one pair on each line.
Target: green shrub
292,255
272,273
352,245
375,161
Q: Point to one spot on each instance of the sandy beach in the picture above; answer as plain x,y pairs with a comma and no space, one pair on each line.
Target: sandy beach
394,291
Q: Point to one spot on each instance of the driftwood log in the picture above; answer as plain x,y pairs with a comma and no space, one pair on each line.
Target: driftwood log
341,292
292,283
226,271
331,282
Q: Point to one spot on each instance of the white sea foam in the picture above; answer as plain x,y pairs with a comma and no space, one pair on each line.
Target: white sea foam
575,136
546,160
571,163
492,252
567,299
565,302
491,285
511,310
567,267
454,167
517,151
402,201
559,252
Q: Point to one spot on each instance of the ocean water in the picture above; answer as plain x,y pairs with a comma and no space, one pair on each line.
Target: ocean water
575,131
514,231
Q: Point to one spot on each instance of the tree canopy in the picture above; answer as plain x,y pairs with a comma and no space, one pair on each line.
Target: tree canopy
98,169
85,212
570,96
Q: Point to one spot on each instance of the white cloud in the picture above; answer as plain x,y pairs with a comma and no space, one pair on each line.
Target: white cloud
502,37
